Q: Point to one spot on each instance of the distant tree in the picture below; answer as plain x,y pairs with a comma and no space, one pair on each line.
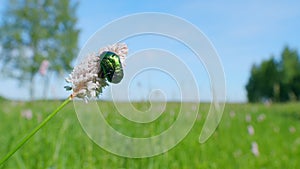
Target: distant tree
295,86
252,87
277,81
36,30
290,72
263,81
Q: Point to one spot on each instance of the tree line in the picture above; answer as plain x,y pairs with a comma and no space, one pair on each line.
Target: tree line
275,80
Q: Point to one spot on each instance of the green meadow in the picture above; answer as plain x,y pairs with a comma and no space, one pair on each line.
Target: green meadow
249,136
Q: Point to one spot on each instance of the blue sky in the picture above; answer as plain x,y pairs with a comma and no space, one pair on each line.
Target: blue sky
243,33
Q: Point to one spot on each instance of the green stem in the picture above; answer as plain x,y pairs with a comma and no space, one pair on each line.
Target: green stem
36,129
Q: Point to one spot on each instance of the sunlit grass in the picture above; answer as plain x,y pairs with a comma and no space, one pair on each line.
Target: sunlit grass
63,144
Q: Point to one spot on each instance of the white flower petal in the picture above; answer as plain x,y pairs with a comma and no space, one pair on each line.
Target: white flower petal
84,77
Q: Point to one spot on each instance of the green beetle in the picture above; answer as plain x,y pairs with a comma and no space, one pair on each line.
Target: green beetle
111,67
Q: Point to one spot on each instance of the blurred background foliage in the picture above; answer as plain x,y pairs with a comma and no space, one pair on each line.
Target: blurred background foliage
40,38
276,80
37,31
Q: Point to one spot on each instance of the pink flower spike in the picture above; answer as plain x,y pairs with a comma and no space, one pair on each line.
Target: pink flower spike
292,129
44,67
251,130
248,118
85,81
254,149
232,114
27,114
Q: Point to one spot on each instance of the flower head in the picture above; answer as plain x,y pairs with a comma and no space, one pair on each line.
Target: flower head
248,118
27,114
292,129
85,77
120,49
250,130
232,114
254,149
44,67
261,117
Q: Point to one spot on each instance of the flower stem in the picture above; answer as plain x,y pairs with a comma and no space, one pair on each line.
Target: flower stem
36,129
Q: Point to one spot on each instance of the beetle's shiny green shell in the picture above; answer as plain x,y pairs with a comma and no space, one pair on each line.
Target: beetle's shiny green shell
111,67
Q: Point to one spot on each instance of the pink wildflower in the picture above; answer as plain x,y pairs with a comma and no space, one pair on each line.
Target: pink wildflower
250,130
248,118
27,114
254,149
44,67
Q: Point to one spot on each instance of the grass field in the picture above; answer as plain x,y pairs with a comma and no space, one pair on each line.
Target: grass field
62,143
